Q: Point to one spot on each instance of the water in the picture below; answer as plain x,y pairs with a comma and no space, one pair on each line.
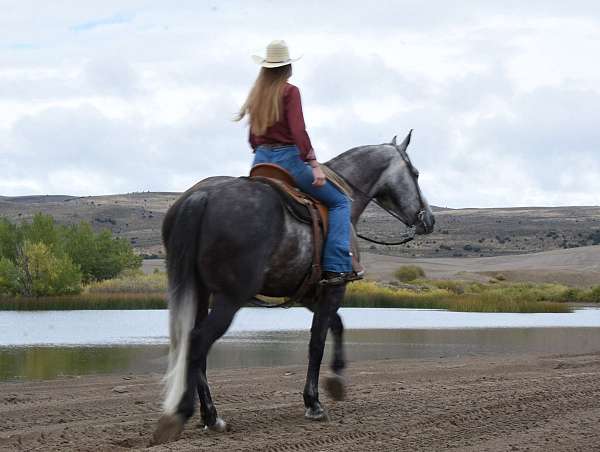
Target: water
37,345
151,326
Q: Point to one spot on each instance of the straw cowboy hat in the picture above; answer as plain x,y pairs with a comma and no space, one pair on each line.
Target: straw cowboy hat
278,54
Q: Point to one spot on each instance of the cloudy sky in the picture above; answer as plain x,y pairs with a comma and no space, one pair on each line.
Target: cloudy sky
115,96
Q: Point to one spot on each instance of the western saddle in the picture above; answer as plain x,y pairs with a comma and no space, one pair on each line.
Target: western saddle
303,207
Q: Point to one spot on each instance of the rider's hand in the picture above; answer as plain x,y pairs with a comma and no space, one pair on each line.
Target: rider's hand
319,176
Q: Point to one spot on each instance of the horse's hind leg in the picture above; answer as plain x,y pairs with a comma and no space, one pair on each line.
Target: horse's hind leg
170,426
200,316
205,333
205,399
323,311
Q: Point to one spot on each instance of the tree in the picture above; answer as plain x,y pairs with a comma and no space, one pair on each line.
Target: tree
100,256
10,236
8,276
43,258
42,229
40,272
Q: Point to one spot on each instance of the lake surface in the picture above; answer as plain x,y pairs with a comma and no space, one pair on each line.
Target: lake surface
151,326
37,345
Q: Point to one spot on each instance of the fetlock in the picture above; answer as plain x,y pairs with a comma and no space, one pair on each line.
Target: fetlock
186,408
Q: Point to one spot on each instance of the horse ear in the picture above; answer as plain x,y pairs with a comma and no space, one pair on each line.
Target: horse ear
394,140
406,141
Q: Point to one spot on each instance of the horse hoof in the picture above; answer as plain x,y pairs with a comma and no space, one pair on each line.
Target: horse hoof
169,428
336,387
220,426
318,414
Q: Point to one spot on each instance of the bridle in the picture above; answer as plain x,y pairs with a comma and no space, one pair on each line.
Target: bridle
420,214
407,237
415,174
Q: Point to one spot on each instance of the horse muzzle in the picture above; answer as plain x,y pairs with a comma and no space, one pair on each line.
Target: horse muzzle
425,222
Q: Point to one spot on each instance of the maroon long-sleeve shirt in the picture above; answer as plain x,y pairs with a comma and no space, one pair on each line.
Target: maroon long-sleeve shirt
290,129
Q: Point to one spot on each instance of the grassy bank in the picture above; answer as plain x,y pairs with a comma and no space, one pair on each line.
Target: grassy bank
138,291
446,295
130,291
85,301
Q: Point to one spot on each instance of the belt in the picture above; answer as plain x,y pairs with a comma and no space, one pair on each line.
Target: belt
274,146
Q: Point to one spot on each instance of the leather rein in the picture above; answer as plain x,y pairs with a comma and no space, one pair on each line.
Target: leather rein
407,237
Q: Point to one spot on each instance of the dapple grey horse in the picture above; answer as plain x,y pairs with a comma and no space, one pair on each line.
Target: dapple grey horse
230,238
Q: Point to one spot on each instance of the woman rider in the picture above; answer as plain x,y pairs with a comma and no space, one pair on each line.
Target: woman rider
278,135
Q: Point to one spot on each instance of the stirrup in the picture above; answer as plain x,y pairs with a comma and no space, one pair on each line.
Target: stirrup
339,278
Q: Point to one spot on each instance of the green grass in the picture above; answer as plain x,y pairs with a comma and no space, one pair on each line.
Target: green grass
139,291
85,301
133,290
130,282
591,295
453,296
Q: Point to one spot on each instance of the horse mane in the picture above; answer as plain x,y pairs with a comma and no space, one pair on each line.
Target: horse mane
338,181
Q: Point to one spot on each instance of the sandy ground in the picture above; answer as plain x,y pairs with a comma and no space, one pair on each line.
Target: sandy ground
575,266
474,404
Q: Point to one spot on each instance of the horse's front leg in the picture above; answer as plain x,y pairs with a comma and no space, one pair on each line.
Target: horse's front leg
323,311
336,385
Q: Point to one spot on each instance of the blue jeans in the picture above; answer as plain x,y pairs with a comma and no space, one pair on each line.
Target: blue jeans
336,250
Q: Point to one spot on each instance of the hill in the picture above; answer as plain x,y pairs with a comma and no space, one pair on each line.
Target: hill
137,217
574,267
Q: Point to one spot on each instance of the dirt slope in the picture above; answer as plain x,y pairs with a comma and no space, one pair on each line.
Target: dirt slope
575,266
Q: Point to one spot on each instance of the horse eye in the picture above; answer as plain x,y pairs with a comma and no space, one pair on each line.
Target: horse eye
416,172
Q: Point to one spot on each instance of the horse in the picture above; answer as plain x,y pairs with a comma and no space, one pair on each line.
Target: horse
230,239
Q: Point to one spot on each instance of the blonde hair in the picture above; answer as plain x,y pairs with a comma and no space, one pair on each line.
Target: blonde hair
263,105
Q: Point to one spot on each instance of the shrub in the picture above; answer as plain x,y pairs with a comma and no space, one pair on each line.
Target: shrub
42,229
8,276
99,255
590,296
40,272
594,294
10,235
131,282
409,273
44,258
594,237
572,295
455,287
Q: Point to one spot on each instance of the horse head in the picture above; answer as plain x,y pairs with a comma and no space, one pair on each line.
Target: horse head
398,190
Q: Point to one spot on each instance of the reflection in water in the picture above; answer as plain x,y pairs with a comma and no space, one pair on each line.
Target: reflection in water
50,362
258,349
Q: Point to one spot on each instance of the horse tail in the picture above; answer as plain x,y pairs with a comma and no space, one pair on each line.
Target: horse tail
182,249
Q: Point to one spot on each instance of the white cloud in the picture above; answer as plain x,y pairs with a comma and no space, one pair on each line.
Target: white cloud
104,97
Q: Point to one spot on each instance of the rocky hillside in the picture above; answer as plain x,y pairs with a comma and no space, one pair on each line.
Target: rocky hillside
459,232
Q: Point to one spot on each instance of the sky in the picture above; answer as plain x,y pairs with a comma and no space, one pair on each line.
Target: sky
117,96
